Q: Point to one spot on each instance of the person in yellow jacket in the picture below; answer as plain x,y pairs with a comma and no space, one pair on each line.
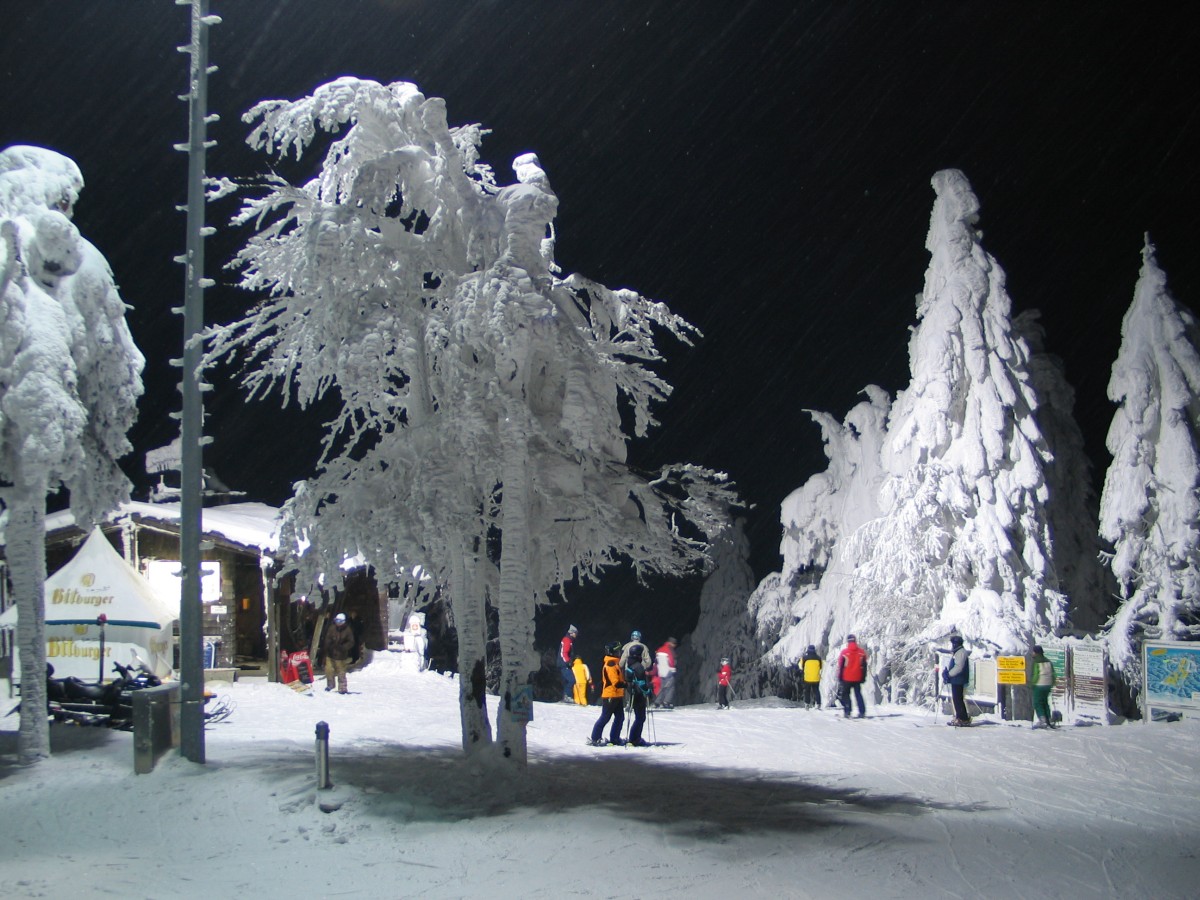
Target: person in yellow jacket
810,678
612,697
583,681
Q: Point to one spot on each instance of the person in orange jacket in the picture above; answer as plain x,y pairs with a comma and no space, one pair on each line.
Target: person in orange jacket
583,681
612,697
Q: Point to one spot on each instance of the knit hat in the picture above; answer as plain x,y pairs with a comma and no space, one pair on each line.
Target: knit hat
955,640
572,630
339,619
851,638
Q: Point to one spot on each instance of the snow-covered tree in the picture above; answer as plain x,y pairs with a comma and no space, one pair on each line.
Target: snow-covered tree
1072,505
725,626
1150,509
964,540
809,601
70,378
941,518
481,393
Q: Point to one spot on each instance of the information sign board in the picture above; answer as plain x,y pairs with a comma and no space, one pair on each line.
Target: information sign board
1171,677
1010,670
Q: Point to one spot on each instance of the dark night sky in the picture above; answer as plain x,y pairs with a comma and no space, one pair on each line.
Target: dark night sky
762,167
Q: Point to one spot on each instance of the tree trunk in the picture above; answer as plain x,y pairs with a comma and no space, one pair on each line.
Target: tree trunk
516,596
26,535
467,599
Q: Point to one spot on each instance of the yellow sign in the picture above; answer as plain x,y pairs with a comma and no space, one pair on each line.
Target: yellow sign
1010,670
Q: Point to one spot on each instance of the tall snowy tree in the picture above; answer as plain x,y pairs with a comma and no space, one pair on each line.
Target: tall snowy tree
963,506
1150,509
482,393
964,541
70,378
1072,505
725,626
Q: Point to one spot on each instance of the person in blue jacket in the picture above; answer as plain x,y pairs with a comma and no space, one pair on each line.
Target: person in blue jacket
956,674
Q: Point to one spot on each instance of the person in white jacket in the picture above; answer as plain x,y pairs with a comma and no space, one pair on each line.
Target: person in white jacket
665,660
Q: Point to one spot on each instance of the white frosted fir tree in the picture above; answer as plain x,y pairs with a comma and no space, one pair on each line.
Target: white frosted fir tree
1072,505
70,378
809,601
1149,508
964,540
481,392
725,627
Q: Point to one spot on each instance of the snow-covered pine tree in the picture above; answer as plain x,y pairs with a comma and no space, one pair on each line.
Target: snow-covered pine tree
1072,505
481,393
725,626
70,378
964,541
1150,509
809,601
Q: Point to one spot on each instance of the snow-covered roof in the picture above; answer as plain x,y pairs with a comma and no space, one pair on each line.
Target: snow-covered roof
246,524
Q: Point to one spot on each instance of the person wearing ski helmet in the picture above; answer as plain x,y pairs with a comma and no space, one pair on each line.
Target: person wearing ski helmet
339,647
635,666
810,678
564,664
852,672
724,676
956,674
612,697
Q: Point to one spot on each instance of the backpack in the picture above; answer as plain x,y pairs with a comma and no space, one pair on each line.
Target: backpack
635,676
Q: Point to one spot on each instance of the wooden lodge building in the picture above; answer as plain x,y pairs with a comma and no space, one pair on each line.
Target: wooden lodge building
247,599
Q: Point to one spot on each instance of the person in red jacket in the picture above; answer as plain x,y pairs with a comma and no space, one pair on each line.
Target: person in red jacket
724,674
852,672
564,664
664,696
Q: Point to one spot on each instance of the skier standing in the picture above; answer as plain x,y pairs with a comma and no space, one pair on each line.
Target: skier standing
810,678
956,674
723,677
665,663
564,663
852,672
612,697
1041,679
583,681
338,647
635,665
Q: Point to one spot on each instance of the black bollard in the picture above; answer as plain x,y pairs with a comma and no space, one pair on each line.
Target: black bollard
323,783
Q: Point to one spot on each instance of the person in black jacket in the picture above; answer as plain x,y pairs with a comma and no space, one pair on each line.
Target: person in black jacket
339,647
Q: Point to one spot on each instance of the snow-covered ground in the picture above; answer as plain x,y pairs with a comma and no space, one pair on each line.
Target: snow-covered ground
765,800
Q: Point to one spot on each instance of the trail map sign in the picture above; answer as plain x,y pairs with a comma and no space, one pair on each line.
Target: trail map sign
1170,678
